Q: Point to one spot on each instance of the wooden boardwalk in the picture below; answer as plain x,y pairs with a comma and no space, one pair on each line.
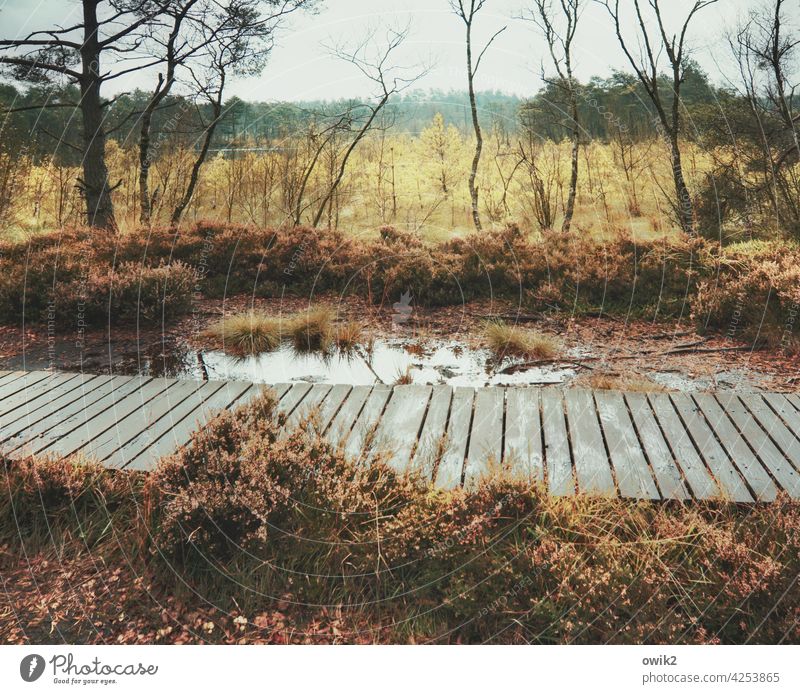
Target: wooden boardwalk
652,446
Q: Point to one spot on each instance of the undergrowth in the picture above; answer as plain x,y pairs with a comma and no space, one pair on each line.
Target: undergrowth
255,534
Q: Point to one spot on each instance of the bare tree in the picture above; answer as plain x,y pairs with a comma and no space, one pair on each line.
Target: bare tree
238,36
560,35
375,63
466,10
76,54
654,41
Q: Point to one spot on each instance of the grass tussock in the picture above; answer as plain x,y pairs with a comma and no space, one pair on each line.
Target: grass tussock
348,335
255,332
511,340
247,333
248,531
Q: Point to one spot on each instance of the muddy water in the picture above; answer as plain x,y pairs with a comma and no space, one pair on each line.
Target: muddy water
449,363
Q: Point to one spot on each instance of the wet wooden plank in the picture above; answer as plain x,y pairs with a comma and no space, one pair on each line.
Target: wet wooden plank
232,394
591,462
51,395
342,423
95,422
451,466
730,482
523,455
140,423
634,478
432,437
28,395
331,405
785,410
765,449
25,381
401,423
293,397
667,473
124,444
309,405
560,480
787,442
739,452
359,440
60,420
701,483
486,436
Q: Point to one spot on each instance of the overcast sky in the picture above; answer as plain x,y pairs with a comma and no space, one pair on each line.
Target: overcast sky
302,68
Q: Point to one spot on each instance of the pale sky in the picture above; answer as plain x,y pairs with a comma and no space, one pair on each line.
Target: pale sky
301,67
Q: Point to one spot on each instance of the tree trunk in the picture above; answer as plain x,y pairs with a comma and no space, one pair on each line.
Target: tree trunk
476,159
684,209
198,163
96,188
144,167
569,210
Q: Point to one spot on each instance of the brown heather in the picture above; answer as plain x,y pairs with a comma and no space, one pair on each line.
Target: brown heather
246,535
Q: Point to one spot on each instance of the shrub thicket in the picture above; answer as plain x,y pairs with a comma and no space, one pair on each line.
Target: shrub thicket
751,286
250,516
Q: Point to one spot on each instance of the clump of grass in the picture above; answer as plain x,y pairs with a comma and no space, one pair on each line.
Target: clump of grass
312,329
348,335
504,339
632,383
247,333
404,378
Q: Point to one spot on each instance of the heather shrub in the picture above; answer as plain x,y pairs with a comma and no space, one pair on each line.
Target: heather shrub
150,294
755,295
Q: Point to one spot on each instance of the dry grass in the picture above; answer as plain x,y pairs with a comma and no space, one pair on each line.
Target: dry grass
247,333
348,335
312,330
510,340
404,378
632,383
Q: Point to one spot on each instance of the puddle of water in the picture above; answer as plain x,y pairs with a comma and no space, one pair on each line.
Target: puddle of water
740,380
450,363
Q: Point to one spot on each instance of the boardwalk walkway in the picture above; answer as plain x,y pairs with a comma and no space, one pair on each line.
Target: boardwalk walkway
652,446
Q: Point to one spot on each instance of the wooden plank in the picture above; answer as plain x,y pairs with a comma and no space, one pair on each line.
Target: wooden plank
739,452
140,423
401,423
61,397
434,431
360,437
309,405
231,394
128,444
560,480
591,462
38,401
10,378
785,410
342,423
730,482
769,454
630,465
27,396
451,466
794,398
786,441
102,417
331,405
486,436
63,418
523,455
20,384
667,473
700,482
293,398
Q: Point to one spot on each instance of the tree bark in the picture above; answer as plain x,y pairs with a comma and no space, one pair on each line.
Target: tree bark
476,159
569,210
95,184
